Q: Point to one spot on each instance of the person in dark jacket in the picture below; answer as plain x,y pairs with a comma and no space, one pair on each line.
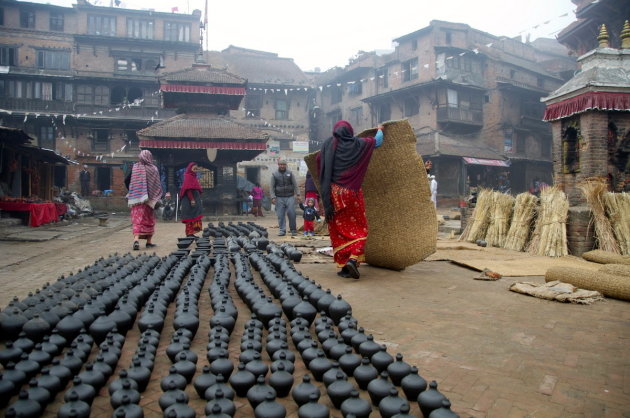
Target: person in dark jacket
284,191
310,214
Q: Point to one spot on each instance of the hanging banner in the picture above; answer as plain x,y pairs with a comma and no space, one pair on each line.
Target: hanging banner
300,146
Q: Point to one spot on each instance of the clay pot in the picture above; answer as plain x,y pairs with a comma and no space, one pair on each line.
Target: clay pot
282,381
356,406
269,408
39,394
242,381
36,328
444,411
49,382
339,390
379,388
118,383
202,382
72,362
413,384
319,365
180,408
220,385
338,309
74,408
128,409
368,347
222,366
169,397
349,361
258,393
302,393
185,367
391,404
173,379
381,359
430,399
226,406
313,409
85,392
10,353
127,390
398,370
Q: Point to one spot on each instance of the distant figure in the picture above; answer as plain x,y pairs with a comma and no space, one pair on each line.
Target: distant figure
310,190
168,213
144,192
190,196
343,162
84,179
257,198
433,187
284,191
310,214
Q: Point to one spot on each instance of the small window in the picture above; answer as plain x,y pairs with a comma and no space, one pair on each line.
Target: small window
449,38
53,60
100,140
27,19
8,55
1,16
139,28
336,94
101,95
356,116
253,104
132,141
46,137
282,109
410,69
102,25
355,88
56,21
381,77
176,32
414,44
571,139
122,65
384,112
412,106
85,94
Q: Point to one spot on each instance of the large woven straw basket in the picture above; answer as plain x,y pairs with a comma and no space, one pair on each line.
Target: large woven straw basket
402,223
617,287
605,257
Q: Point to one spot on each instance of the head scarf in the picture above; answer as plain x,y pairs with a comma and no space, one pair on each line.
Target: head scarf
343,160
190,181
144,186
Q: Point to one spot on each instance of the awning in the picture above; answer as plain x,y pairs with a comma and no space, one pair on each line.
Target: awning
587,101
189,88
483,161
259,146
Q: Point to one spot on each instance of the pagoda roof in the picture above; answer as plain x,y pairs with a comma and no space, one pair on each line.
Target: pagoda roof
203,74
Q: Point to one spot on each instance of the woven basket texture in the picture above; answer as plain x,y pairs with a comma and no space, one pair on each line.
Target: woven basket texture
616,269
617,287
402,221
605,257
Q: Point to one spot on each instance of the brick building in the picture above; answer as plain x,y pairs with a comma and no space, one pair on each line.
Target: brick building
473,99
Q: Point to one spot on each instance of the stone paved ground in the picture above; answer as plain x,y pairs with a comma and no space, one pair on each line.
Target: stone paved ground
494,353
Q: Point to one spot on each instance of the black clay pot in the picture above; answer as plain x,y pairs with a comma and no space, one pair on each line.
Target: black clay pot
69,327
413,384
24,343
349,361
10,373
391,404
116,398
49,382
358,339
301,393
60,371
202,382
28,366
92,377
74,408
257,367
381,359
25,407
306,310
369,347
398,370
338,309
101,327
226,406
118,383
270,408
11,322
72,361
242,381
339,390
185,367
430,399
186,319
169,397
281,381
404,412
36,327
86,392
338,350
444,411
356,406
39,394
173,379
258,393
180,408
140,374
222,366
220,385
379,388
40,356
313,409
7,389
319,365
128,410
10,353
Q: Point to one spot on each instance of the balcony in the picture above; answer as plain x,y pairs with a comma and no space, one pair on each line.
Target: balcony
36,105
462,116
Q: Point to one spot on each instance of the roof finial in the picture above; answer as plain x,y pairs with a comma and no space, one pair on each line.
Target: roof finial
602,38
625,35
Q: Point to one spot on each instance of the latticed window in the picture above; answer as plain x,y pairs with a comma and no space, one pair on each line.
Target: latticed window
56,21
139,28
206,178
176,32
102,25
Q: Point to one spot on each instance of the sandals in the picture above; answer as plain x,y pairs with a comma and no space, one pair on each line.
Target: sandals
136,245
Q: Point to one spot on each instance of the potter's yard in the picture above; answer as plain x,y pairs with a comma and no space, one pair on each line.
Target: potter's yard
492,352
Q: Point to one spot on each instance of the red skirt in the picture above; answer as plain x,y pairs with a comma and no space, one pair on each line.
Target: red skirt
143,220
193,227
348,229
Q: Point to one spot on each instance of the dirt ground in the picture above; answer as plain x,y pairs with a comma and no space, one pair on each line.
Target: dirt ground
494,353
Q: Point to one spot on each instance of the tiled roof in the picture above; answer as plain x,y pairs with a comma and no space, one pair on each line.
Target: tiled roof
203,74
201,126
259,68
454,147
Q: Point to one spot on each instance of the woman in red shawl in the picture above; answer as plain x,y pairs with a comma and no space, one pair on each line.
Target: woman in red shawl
144,192
342,163
190,195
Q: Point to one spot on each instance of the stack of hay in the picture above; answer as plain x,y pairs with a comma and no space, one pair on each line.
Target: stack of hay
480,219
499,218
550,234
520,228
594,190
618,211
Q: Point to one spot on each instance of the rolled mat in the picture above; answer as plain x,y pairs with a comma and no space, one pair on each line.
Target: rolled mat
617,287
616,269
605,257
402,222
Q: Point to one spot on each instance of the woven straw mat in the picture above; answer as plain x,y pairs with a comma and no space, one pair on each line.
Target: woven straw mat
605,257
402,222
617,287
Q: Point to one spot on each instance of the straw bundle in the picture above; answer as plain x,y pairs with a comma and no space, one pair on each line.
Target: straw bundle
605,257
550,235
617,287
500,215
520,228
478,224
618,210
616,269
594,190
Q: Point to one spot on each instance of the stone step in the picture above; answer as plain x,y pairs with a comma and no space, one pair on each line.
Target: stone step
4,222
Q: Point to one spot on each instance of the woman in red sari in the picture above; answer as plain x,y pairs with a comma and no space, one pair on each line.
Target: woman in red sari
342,163
144,192
190,195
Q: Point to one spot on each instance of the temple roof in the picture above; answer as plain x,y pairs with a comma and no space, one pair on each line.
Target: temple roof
203,74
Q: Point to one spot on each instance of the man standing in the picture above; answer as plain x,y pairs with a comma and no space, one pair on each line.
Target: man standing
283,192
84,179
433,187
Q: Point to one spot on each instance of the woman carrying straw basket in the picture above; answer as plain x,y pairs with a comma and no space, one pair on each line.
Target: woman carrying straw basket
342,164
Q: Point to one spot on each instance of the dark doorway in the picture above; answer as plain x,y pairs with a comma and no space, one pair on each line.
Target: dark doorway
60,176
103,178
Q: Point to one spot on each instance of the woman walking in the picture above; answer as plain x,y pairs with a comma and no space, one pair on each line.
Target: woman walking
342,164
257,197
144,192
190,196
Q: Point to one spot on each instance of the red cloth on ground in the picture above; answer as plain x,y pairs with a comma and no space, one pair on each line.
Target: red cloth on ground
308,226
143,220
193,227
348,228
39,213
